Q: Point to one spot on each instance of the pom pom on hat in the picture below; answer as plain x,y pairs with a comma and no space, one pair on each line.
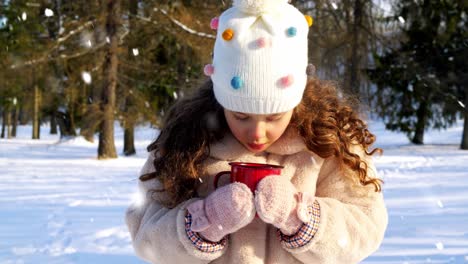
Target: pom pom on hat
258,6
309,20
228,34
214,23
208,69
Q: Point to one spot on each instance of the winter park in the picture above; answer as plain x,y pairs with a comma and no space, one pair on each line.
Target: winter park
87,86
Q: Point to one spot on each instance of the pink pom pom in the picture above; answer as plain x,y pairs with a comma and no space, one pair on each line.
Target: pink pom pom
208,70
287,81
263,42
214,23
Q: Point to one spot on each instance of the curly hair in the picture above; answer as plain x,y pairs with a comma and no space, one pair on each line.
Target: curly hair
330,127
327,123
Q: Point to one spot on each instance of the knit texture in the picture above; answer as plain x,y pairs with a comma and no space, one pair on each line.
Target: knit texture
277,203
260,57
258,6
213,221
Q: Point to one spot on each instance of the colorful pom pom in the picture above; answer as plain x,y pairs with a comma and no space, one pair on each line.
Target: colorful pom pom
309,19
291,32
263,42
208,69
214,23
287,81
228,34
236,82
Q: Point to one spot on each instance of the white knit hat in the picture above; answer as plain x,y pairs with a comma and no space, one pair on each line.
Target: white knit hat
260,56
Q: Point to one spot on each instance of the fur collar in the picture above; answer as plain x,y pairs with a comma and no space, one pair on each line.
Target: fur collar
229,148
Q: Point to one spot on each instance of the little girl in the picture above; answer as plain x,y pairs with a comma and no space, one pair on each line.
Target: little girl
325,207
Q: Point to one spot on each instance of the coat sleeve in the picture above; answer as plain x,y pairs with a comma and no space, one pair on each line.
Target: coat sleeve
352,220
161,235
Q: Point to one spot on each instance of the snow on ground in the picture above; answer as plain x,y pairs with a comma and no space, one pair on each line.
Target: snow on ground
59,204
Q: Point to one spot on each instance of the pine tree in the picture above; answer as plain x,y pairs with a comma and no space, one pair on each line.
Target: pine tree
415,79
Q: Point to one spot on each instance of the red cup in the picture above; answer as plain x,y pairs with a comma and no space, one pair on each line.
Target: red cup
249,173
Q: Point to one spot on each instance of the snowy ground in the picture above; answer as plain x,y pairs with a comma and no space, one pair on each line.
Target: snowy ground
58,204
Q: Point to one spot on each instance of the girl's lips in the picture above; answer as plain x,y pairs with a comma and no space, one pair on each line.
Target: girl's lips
256,146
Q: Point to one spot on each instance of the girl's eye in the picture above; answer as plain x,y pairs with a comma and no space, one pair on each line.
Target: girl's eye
241,118
273,118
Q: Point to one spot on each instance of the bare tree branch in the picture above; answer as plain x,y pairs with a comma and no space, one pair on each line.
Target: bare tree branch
61,56
75,31
183,26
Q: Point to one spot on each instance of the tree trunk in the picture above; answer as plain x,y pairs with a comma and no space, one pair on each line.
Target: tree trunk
15,120
129,124
421,115
464,143
65,124
8,122
36,122
129,139
353,75
3,122
106,148
53,124
22,116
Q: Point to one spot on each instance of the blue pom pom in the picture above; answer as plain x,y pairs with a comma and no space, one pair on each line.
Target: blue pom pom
236,82
291,32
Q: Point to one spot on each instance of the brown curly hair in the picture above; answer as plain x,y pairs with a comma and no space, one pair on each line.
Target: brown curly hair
327,123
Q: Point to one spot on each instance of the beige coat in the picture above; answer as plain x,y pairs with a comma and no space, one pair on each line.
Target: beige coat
352,222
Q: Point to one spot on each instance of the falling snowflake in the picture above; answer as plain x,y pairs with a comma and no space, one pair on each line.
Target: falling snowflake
220,227
200,179
440,204
86,77
439,246
135,52
334,5
89,43
401,19
48,12
24,16
107,39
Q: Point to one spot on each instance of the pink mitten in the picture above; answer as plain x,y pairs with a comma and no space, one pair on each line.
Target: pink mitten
224,211
278,203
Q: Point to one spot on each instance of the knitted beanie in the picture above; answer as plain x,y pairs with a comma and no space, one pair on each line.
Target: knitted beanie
260,56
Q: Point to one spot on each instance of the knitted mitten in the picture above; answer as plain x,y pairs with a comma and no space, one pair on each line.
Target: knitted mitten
278,203
224,211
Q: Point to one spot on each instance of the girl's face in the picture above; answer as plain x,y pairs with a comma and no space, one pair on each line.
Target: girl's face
257,132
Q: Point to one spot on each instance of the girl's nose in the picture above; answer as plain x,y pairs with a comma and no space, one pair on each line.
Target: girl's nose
258,131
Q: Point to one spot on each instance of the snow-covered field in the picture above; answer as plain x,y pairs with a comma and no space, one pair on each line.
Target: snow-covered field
59,204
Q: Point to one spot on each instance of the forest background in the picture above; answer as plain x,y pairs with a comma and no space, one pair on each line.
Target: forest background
80,66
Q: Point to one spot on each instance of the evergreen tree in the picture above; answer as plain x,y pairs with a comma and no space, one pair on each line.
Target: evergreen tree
416,79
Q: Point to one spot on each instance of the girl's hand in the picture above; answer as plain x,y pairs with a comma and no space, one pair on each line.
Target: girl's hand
224,211
278,203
